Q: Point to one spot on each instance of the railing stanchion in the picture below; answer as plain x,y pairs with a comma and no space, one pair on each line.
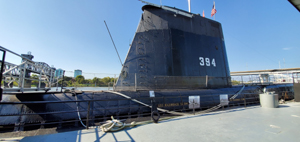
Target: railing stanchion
62,82
245,100
88,114
2,66
193,107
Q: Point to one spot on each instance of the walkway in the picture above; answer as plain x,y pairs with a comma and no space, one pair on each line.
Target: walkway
251,124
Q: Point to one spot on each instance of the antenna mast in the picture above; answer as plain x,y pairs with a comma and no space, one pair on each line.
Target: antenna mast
189,5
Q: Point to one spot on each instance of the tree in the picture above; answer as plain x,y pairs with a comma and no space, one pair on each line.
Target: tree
89,81
235,82
106,80
67,78
95,80
80,79
34,82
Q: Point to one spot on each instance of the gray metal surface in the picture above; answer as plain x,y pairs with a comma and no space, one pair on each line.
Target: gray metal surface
296,4
297,92
268,100
246,125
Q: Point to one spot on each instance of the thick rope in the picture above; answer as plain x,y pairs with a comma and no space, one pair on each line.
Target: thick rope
116,125
173,112
78,112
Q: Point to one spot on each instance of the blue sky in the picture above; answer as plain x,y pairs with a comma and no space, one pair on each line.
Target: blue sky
71,34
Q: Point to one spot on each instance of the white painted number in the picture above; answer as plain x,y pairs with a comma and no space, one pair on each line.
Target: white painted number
213,62
201,61
207,62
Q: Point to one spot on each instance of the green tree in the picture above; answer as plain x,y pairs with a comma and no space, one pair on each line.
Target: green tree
235,82
106,80
34,82
95,80
88,81
67,78
80,79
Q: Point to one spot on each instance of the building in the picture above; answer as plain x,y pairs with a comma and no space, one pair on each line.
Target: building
59,73
77,72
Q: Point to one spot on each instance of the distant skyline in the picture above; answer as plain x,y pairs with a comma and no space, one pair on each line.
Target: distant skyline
71,34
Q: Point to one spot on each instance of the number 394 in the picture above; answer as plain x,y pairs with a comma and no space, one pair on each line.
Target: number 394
206,62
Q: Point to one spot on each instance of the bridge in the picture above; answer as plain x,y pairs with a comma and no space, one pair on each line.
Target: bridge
21,73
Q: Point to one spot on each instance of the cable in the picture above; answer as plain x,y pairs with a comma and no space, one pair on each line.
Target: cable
78,112
113,43
116,125
173,112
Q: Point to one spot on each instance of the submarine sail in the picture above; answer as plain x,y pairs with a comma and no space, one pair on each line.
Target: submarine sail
174,51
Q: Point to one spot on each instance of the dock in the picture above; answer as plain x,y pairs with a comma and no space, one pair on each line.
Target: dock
252,123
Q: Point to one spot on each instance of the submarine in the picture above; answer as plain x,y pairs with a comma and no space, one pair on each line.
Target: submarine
175,56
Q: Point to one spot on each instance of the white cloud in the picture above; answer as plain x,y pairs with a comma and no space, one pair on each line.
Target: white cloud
286,48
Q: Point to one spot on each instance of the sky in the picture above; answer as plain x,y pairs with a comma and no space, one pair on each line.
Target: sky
71,34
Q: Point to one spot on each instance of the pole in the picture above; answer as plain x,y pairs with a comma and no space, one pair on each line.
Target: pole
1,75
215,13
245,103
193,107
242,80
113,43
189,1
87,115
135,85
62,83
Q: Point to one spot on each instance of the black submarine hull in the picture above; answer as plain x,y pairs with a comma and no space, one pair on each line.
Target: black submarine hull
174,55
110,104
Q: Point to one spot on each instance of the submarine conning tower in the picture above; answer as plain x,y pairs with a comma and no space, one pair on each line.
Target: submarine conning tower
175,51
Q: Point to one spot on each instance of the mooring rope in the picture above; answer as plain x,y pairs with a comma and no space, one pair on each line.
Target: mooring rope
78,112
116,125
173,112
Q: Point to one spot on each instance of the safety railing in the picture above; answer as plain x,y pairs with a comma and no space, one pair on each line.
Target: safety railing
140,81
266,78
17,78
93,117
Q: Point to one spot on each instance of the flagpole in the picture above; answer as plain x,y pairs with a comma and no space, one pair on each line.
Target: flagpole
189,3
215,13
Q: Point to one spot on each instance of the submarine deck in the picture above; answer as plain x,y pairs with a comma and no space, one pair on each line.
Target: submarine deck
238,124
